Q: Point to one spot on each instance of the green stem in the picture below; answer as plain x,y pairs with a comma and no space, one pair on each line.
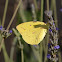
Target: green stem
35,3
41,48
21,12
13,15
36,53
12,49
42,5
4,15
51,7
21,46
59,54
33,12
6,57
0,22
41,51
46,47
47,5
22,55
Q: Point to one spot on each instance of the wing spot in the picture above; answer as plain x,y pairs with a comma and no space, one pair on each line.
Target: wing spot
36,38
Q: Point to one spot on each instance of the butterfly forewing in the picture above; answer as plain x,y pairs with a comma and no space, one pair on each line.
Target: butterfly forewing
32,32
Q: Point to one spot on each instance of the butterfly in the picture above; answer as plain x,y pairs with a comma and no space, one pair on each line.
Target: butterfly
32,32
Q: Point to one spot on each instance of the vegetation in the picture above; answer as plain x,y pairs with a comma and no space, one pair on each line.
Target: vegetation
47,50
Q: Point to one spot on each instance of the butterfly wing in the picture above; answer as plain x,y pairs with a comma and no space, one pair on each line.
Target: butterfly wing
32,32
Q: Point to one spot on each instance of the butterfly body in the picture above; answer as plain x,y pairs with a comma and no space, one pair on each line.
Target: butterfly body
32,32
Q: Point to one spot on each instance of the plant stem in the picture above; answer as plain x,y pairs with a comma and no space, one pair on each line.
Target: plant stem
6,57
47,5
41,48
42,5
41,51
22,55
59,53
35,3
51,7
36,53
21,46
13,15
33,12
12,49
4,15
21,12
46,47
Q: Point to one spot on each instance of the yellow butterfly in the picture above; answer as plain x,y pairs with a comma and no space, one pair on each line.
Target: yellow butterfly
32,32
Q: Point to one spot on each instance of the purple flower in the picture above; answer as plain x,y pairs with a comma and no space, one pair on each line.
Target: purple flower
56,28
50,30
49,45
61,9
48,56
53,23
1,27
35,45
10,31
56,47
